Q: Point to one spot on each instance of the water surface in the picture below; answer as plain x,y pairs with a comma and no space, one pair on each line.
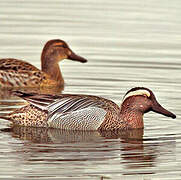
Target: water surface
128,43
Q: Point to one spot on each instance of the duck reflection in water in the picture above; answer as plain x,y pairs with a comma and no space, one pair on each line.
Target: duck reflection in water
132,147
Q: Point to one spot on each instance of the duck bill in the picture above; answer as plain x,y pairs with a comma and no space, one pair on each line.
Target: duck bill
75,57
159,109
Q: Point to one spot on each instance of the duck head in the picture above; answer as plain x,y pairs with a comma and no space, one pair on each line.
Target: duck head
143,100
56,50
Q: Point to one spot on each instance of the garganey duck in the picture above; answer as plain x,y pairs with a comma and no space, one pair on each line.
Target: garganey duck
84,112
18,73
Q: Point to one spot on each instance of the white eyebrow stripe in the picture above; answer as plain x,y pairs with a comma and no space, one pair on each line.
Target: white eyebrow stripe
137,92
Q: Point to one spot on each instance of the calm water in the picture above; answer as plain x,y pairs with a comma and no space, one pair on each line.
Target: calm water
128,43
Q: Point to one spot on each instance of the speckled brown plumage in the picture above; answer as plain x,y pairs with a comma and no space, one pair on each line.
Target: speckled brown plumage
84,112
29,116
19,73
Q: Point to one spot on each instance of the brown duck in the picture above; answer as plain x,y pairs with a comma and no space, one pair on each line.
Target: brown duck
18,73
84,112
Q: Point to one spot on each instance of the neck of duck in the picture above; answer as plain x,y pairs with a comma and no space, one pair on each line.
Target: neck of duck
51,67
132,117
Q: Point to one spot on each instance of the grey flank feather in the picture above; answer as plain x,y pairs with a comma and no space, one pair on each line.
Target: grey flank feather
89,118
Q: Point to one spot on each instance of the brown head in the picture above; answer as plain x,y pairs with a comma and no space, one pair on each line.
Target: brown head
143,100
138,101
56,50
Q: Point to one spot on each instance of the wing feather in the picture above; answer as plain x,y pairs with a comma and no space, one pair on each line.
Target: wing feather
21,78
41,101
70,104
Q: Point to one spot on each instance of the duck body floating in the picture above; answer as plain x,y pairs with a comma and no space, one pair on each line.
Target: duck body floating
19,73
86,112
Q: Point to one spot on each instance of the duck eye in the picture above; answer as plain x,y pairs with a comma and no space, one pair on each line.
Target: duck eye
63,45
60,45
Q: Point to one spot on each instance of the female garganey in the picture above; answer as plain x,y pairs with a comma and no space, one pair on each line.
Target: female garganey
18,73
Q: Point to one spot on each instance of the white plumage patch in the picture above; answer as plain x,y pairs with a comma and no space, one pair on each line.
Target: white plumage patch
137,92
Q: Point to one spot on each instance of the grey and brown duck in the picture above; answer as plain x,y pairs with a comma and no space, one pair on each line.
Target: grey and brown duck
84,112
19,73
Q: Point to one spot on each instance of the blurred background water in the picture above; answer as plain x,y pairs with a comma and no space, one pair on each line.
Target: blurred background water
127,44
